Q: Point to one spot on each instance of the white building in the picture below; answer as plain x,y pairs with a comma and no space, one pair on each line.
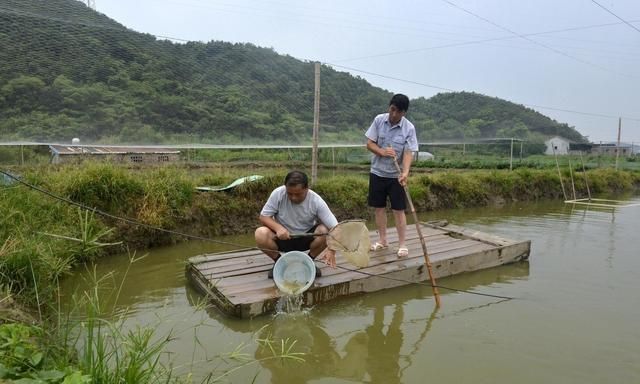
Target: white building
557,146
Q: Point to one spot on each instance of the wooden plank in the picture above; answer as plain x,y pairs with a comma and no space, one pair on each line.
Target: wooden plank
250,292
222,255
212,260
461,232
246,281
237,282
258,261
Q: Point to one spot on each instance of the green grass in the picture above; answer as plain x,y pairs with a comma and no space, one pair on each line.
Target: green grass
92,342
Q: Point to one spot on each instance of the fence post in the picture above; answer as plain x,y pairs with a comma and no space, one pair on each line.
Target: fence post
511,156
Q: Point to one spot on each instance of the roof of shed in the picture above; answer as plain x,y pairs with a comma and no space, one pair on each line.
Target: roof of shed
107,150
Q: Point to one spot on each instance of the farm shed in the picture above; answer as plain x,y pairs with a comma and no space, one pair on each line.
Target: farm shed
119,154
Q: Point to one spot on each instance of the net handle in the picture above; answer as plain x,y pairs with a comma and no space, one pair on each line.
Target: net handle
301,235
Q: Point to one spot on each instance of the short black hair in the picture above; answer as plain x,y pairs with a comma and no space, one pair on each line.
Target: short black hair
294,178
400,101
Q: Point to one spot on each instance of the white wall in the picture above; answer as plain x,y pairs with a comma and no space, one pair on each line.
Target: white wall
557,144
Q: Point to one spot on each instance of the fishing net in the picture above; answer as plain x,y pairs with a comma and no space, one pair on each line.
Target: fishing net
351,238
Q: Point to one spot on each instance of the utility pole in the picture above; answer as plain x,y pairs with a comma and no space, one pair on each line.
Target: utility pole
511,156
618,145
316,125
91,4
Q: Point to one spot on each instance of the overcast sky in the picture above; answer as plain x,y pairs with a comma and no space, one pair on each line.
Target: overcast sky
551,55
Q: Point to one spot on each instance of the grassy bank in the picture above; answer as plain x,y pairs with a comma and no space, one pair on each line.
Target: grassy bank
42,235
456,160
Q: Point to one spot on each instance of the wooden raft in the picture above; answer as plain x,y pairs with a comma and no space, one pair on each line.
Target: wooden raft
236,282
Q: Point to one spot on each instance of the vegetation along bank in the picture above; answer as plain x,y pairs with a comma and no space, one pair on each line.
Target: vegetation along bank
50,235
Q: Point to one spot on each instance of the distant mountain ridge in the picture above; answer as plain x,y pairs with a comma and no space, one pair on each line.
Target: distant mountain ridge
471,115
68,71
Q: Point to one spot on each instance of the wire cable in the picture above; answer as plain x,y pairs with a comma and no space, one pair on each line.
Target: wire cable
618,17
114,217
522,36
453,90
425,284
473,42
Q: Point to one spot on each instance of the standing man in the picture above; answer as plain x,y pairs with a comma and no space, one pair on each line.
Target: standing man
294,208
391,138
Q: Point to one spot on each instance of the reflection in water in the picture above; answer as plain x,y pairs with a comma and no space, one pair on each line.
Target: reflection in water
373,351
372,355
383,361
311,339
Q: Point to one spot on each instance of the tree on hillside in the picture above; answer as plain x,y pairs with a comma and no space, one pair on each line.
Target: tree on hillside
68,71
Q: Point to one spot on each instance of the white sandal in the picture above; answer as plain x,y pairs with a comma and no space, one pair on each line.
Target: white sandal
378,246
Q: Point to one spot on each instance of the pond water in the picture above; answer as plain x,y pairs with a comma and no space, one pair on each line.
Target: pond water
574,318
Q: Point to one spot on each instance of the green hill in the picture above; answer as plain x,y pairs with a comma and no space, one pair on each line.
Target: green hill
471,116
67,71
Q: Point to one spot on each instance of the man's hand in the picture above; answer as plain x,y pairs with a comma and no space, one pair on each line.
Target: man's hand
328,257
282,234
388,152
403,179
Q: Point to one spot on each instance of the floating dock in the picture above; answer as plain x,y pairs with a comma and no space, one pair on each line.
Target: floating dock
236,282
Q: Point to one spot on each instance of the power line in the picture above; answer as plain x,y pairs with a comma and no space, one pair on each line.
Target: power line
525,37
581,112
452,90
473,42
461,44
618,17
390,77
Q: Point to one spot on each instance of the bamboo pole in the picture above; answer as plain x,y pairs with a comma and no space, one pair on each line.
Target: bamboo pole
432,279
564,193
586,180
573,186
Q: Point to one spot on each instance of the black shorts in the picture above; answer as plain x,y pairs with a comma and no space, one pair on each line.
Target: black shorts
297,244
382,187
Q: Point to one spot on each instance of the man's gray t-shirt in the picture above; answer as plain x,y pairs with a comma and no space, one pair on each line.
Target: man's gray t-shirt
402,137
298,218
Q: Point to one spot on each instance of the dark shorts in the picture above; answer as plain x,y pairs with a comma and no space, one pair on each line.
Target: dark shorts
382,187
296,244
